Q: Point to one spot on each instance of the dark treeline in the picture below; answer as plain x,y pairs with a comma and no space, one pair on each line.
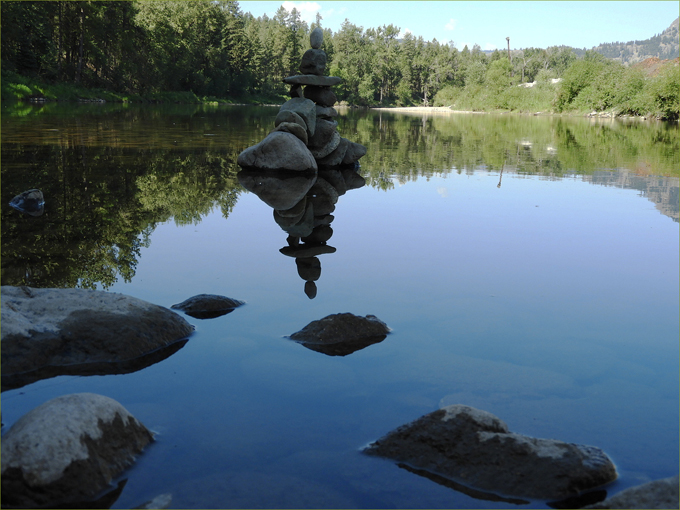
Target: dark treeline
214,49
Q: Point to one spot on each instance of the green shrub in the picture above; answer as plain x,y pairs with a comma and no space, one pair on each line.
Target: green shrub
446,96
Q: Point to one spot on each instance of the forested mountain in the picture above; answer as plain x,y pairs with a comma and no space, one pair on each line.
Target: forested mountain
664,46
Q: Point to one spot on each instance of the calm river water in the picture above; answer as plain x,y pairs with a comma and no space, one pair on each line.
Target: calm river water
528,266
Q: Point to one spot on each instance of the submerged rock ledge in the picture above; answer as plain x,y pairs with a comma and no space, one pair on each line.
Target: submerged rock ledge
475,448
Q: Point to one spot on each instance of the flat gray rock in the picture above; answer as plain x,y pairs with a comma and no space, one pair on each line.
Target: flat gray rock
313,79
208,306
475,448
47,332
68,450
657,494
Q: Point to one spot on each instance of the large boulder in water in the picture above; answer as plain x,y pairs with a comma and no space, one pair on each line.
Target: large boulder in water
475,448
49,332
68,450
208,306
341,334
279,150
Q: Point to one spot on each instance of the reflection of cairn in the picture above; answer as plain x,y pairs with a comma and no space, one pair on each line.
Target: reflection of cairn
308,237
303,164
305,136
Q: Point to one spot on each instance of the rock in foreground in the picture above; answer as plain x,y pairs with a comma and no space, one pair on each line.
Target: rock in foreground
476,449
46,330
342,333
207,306
657,494
68,450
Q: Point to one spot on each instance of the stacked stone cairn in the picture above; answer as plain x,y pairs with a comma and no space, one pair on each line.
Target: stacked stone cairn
305,136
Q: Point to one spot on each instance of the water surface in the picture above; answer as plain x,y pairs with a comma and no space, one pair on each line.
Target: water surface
527,266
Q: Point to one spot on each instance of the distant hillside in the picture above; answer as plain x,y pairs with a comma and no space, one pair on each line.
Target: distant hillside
664,46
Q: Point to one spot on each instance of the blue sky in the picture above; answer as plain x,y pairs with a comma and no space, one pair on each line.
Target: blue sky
487,23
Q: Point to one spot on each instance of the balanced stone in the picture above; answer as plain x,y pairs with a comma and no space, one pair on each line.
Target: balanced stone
475,448
326,112
305,108
294,129
313,62
312,79
279,150
322,152
68,450
335,158
289,116
316,38
323,96
323,134
296,91
354,152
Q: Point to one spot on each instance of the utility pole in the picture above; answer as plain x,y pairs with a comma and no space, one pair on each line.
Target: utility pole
512,73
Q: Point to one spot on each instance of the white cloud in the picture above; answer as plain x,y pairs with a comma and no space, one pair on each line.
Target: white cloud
451,24
444,192
307,10
405,31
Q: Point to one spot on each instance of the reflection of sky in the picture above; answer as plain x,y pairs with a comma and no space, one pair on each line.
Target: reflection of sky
553,304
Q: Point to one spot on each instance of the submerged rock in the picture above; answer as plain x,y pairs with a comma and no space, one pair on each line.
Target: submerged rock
657,494
30,202
208,306
47,332
475,448
68,450
342,333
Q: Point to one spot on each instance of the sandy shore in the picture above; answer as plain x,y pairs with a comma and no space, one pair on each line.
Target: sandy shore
424,109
